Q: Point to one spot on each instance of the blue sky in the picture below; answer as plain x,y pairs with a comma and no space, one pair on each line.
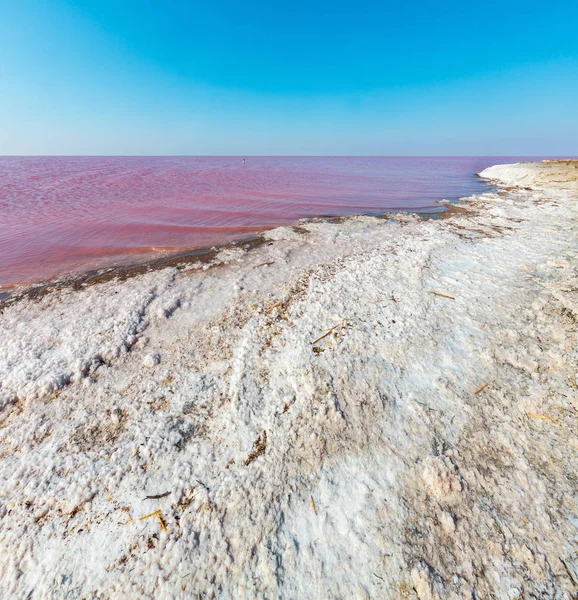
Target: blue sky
299,77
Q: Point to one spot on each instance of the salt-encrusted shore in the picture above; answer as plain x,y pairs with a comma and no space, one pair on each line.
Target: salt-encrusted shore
376,408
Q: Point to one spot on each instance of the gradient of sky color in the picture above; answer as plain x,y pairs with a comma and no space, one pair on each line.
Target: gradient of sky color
298,77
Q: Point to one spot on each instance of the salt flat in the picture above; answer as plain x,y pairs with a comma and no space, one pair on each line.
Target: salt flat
370,408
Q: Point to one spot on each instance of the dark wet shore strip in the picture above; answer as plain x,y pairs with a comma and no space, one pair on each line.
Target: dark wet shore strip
180,260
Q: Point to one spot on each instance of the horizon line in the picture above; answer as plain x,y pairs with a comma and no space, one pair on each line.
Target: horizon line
285,155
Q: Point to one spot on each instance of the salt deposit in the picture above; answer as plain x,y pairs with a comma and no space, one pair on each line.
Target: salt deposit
376,408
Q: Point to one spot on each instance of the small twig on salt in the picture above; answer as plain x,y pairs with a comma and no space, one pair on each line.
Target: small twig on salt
325,335
201,483
157,496
481,389
442,295
313,505
265,264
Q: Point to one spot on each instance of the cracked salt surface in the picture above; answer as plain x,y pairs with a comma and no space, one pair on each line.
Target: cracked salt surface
194,433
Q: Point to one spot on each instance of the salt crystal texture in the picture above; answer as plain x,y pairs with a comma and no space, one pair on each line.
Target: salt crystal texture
387,410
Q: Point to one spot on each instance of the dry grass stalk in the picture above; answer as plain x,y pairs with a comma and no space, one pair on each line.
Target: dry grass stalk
159,516
265,264
150,515
162,522
543,418
325,334
442,295
481,389
313,505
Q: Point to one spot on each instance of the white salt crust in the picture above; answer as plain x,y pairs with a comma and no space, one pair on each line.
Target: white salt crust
425,448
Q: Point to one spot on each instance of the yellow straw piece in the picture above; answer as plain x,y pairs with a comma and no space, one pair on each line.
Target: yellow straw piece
313,505
159,516
157,512
543,418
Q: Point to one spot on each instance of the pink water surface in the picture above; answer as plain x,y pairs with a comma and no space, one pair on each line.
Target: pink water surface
63,215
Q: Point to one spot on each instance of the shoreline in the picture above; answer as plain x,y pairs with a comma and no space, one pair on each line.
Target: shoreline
40,255
180,259
374,407
121,272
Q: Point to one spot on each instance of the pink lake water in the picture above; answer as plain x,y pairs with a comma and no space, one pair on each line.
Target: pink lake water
64,215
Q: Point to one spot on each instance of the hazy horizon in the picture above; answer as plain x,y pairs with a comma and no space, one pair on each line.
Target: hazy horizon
516,156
